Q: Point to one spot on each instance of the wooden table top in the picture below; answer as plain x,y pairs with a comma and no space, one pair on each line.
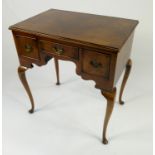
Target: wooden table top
110,32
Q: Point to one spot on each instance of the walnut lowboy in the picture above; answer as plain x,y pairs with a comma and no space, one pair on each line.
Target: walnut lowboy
101,54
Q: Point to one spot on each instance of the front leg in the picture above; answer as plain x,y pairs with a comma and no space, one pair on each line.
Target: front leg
125,78
21,73
110,96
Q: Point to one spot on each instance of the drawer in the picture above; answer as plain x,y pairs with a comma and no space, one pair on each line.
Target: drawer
59,49
95,63
27,46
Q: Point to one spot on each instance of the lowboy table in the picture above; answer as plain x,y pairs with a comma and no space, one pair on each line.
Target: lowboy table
100,47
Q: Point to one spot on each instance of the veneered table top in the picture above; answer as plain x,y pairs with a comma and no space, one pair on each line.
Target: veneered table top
100,30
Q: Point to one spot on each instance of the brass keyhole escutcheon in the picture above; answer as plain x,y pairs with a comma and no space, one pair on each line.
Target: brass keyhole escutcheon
58,50
28,48
95,64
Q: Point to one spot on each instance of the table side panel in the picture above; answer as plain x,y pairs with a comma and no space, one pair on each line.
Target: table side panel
122,58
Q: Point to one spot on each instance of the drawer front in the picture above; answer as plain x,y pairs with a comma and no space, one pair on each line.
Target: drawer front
97,64
27,46
59,49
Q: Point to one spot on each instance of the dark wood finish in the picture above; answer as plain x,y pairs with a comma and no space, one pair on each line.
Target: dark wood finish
110,96
21,73
59,49
27,46
125,78
97,64
56,62
109,32
122,58
100,47
27,60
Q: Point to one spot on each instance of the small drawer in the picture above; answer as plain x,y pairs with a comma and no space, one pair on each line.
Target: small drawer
95,63
59,49
27,46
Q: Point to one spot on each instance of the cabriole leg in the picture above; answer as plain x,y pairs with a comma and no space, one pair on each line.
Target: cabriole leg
125,78
110,96
21,73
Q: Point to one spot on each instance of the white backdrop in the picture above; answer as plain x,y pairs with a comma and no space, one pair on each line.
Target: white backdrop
69,118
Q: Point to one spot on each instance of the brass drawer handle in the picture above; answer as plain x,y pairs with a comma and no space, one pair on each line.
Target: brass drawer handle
95,64
28,48
58,50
